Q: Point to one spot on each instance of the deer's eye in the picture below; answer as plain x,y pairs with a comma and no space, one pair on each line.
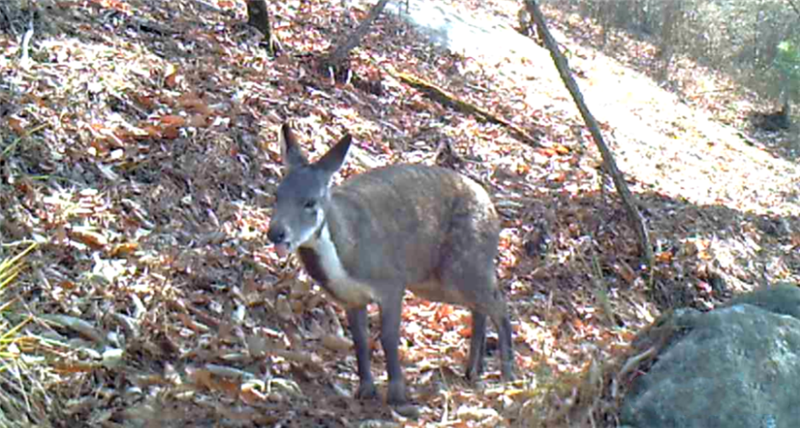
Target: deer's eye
310,204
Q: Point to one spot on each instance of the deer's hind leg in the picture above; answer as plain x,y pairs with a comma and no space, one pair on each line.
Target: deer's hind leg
487,301
469,267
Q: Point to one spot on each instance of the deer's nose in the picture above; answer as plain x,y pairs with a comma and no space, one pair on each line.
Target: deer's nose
276,235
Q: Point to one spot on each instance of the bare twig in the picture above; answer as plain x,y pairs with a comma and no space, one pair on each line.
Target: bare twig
794,7
26,41
628,367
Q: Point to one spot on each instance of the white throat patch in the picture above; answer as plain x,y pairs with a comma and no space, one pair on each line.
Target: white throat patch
344,288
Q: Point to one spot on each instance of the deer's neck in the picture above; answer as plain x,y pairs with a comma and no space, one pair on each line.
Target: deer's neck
322,261
321,258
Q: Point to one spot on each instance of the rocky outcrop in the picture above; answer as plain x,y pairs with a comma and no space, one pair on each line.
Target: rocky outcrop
734,367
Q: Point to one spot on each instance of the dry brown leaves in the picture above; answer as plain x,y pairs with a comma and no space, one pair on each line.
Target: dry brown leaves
140,154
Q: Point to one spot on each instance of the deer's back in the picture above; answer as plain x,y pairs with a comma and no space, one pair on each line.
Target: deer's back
398,223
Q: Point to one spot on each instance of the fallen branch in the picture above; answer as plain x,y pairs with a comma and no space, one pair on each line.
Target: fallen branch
441,96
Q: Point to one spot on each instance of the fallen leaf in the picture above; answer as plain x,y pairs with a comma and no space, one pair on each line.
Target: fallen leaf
93,239
16,124
124,249
173,120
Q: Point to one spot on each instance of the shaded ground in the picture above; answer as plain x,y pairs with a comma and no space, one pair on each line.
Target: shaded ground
140,153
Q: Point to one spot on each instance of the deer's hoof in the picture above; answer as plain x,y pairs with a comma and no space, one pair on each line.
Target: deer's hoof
366,391
397,394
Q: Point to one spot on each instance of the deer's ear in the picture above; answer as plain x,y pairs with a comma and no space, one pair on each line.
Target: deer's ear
336,156
291,153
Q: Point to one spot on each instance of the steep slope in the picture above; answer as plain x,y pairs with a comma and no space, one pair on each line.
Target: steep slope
140,152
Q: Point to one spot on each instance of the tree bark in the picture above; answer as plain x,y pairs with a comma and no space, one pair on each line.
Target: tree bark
339,54
610,165
670,17
786,108
258,17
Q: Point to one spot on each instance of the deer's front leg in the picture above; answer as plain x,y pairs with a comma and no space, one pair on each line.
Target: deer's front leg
357,319
391,309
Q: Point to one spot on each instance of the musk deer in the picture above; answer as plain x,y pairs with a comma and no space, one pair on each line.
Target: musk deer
428,229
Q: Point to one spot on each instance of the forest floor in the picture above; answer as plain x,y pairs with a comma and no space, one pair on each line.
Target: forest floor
138,165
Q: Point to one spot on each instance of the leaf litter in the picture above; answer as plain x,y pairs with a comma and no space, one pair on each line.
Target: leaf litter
141,156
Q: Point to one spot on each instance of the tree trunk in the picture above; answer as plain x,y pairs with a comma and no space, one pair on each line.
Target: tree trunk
610,165
786,108
671,14
339,54
258,17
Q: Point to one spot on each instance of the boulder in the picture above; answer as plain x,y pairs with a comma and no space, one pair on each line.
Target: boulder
734,367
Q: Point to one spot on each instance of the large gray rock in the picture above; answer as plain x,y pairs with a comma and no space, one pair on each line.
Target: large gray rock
734,367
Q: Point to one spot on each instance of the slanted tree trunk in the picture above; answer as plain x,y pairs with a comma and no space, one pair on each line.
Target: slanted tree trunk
258,17
608,158
335,59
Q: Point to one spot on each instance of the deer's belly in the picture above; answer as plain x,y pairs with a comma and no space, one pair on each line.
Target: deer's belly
435,291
